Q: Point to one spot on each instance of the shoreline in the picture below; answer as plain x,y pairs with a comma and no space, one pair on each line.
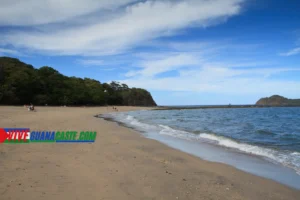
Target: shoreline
250,163
121,164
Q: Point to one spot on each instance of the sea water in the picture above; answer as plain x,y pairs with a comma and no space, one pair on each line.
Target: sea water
262,141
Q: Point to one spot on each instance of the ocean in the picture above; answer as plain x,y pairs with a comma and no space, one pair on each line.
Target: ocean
262,141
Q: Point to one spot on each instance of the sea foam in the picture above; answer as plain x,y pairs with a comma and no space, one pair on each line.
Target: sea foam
286,158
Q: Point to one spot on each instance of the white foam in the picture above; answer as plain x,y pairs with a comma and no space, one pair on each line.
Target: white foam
240,146
289,159
296,154
132,121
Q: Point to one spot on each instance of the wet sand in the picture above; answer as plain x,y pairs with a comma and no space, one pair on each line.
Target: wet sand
121,164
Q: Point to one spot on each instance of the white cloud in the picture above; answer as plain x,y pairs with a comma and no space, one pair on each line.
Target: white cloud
154,67
291,52
4,51
223,82
127,26
91,62
205,75
35,12
195,61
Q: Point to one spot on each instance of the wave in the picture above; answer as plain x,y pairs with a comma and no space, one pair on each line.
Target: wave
286,158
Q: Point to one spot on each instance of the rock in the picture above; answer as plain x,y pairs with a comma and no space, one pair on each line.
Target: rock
277,100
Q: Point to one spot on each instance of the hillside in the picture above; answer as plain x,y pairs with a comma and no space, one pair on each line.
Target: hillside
277,100
21,84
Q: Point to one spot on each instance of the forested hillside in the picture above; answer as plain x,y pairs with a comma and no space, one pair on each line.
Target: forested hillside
21,83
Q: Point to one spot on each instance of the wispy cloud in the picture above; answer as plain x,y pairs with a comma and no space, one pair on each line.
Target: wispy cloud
221,81
154,67
4,51
188,57
198,71
36,12
87,62
128,26
292,52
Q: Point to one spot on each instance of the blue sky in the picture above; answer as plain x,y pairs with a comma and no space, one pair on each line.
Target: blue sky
183,51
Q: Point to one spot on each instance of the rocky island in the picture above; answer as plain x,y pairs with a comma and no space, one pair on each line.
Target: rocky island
277,100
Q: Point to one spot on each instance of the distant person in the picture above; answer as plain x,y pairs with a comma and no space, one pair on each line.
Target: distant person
31,107
28,107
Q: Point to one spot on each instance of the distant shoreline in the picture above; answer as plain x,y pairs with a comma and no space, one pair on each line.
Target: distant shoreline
183,107
216,106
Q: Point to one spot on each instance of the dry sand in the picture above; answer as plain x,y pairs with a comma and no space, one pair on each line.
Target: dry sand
120,165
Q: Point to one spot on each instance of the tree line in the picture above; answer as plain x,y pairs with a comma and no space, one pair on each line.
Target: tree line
21,84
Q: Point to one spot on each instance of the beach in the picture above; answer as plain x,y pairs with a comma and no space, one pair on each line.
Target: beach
121,164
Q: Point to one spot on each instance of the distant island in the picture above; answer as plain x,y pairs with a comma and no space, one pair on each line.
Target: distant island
277,100
273,101
22,84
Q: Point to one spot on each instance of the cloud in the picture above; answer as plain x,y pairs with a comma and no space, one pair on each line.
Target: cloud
190,58
220,81
154,67
199,72
36,12
127,26
4,51
291,52
92,62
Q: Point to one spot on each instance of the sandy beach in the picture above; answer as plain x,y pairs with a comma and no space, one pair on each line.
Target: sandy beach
121,164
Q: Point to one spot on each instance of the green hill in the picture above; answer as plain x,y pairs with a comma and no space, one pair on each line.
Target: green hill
277,100
21,84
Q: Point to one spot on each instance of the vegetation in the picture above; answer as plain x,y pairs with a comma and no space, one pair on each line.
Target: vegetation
21,84
277,100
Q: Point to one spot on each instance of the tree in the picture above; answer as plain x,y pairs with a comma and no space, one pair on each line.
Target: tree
20,83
